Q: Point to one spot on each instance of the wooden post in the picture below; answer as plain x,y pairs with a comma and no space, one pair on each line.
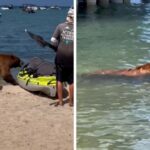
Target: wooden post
82,4
117,1
126,1
91,2
103,3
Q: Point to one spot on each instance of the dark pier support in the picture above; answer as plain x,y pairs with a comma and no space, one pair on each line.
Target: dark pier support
102,3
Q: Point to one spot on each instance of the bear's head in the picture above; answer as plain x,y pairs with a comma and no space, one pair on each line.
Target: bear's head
16,62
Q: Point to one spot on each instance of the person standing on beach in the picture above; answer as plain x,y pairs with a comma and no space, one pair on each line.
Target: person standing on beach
63,39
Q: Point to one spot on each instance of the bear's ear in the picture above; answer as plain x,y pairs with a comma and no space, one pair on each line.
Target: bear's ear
13,57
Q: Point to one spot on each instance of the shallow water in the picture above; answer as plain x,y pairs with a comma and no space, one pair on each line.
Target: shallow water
113,113
13,39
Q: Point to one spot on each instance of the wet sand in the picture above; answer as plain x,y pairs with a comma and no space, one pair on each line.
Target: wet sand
30,122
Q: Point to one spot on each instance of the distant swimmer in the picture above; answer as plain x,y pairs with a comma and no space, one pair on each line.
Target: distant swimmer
133,72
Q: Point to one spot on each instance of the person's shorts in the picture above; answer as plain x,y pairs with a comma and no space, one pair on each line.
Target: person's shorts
64,74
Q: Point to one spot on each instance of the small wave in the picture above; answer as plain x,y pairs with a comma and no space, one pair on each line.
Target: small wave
146,22
145,40
146,32
143,144
143,28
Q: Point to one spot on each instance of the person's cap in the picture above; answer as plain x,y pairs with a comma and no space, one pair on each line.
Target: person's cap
71,12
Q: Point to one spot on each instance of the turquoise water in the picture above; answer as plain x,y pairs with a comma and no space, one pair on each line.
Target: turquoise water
13,39
113,113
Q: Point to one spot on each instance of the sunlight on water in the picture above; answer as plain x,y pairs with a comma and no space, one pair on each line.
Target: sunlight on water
113,112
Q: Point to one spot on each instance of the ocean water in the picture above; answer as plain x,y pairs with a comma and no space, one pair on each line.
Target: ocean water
113,113
13,39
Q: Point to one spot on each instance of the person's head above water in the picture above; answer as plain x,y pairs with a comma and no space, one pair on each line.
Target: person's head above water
70,15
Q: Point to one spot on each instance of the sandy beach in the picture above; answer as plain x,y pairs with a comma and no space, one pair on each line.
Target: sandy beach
30,122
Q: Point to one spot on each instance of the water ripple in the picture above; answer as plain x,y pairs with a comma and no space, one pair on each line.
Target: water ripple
113,113
143,144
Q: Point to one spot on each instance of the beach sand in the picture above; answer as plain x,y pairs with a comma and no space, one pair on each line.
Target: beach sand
29,122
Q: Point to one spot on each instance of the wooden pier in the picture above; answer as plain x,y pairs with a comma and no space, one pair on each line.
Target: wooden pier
102,3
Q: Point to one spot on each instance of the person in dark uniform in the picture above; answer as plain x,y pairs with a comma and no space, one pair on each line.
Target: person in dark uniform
63,39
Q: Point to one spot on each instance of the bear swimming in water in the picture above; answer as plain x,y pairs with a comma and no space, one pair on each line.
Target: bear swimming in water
133,72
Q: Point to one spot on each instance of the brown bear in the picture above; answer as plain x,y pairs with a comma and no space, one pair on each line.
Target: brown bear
6,63
133,72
